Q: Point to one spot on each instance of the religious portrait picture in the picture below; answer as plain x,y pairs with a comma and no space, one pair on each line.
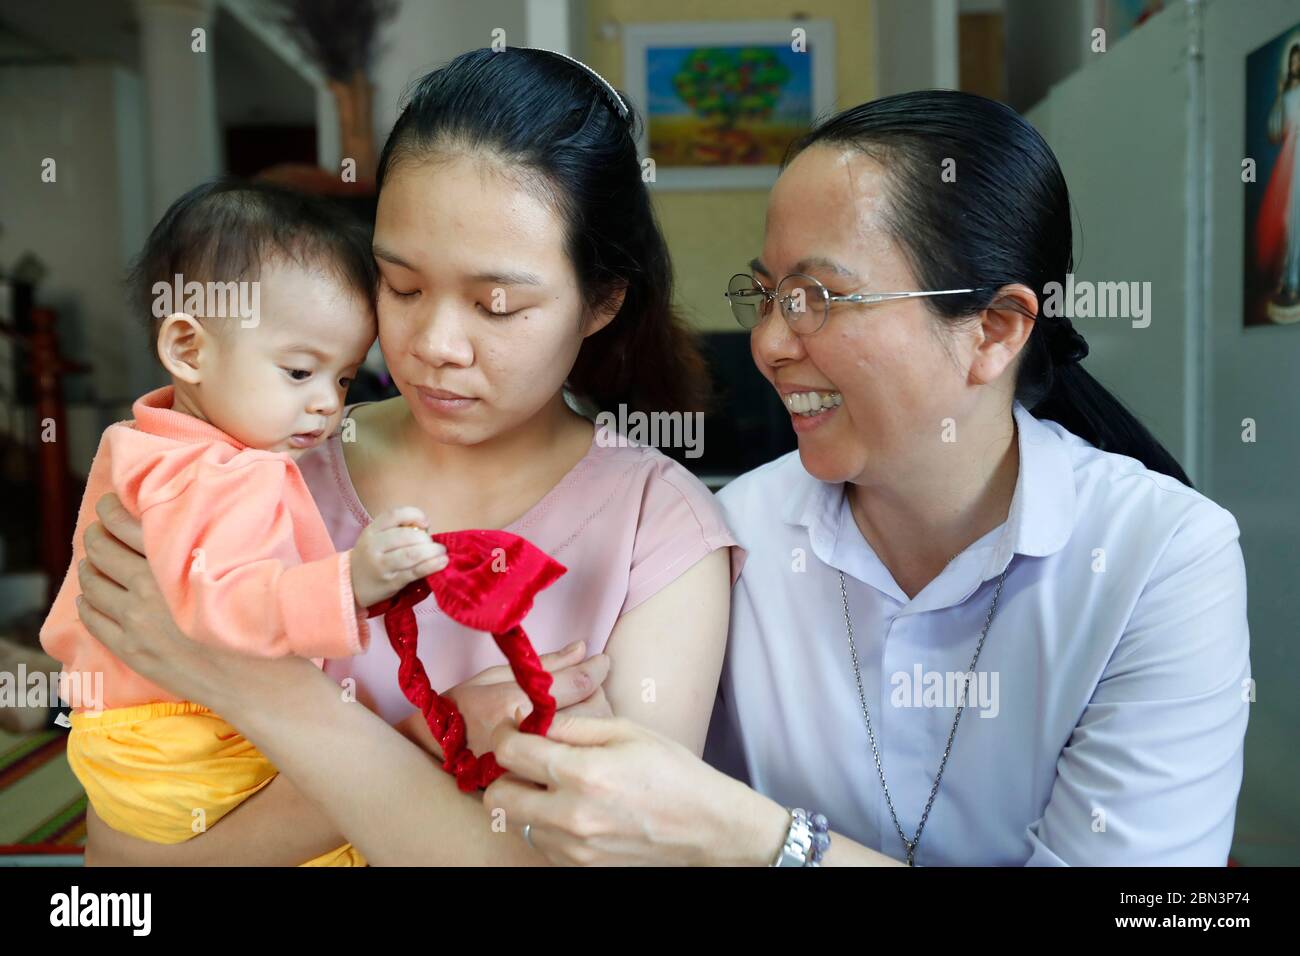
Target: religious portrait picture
1272,182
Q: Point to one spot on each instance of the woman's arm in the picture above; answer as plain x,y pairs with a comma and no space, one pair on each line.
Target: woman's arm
333,749
616,793
417,817
277,826
666,653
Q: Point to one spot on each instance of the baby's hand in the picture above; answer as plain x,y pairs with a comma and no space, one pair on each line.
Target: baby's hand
392,551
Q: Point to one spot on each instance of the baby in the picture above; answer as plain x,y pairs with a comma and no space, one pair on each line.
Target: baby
263,305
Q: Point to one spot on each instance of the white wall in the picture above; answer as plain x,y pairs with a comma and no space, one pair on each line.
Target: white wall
916,45
426,34
87,118
1045,42
1120,132
1253,373
1151,139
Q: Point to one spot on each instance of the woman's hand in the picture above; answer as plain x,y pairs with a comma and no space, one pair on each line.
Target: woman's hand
124,610
492,697
615,793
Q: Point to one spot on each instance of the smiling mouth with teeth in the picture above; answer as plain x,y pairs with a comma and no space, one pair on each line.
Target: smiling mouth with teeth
812,403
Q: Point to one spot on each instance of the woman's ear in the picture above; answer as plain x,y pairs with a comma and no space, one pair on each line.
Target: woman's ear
600,317
1004,329
181,341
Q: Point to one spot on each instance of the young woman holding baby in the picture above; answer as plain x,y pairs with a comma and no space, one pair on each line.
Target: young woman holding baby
928,521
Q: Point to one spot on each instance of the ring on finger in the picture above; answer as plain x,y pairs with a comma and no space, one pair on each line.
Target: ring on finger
528,835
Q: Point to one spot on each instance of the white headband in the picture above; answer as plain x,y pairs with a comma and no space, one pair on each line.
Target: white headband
621,108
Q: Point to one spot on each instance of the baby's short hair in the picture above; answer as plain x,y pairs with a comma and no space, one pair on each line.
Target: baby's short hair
225,230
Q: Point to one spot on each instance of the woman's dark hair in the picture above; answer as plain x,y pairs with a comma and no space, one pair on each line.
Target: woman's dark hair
1005,220
225,229
549,118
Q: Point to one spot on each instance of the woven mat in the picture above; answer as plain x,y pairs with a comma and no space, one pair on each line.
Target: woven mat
42,806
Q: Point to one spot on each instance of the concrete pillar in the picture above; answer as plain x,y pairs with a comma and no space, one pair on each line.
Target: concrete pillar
180,98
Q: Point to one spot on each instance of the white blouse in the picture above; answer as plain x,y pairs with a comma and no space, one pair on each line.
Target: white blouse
1106,721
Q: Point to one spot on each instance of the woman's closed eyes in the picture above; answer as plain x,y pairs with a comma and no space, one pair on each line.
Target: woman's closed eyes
398,292
485,309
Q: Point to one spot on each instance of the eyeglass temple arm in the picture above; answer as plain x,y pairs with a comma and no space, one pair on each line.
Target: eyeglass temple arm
770,295
883,296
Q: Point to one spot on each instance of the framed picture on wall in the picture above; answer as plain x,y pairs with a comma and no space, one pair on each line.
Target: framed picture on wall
722,101
1272,278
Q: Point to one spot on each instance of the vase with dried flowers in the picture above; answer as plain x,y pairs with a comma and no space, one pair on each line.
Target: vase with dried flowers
339,37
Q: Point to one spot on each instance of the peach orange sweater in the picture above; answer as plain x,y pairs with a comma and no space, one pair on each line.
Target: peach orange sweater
233,539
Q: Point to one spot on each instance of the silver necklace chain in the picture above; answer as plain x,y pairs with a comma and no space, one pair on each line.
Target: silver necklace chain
911,845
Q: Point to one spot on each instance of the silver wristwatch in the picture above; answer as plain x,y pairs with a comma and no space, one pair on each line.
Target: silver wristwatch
798,841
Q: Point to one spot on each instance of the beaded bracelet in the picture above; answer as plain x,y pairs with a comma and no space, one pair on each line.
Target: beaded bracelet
821,838
806,842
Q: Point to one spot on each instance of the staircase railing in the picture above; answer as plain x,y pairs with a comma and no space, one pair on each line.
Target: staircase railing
47,368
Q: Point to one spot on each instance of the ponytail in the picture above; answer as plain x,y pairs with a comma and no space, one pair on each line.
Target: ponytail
1080,404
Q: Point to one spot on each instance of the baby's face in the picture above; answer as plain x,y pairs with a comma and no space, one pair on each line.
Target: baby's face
280,384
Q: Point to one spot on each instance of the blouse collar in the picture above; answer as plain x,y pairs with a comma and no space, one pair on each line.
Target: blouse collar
1039,521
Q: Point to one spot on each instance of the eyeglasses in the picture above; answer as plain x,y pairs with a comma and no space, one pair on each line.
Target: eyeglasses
805,302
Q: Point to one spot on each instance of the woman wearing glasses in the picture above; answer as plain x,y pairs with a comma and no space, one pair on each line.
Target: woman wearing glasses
968,513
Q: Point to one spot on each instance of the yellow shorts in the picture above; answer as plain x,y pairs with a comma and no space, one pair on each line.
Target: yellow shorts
165,772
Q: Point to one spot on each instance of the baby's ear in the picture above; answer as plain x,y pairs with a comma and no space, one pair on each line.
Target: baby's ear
181,339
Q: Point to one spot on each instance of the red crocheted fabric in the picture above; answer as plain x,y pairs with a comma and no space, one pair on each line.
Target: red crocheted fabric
489,584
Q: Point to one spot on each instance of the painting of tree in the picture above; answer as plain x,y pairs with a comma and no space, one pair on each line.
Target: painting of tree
730,98
723,102
726,85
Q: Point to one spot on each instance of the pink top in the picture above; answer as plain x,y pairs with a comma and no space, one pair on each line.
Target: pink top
626,522
232,537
